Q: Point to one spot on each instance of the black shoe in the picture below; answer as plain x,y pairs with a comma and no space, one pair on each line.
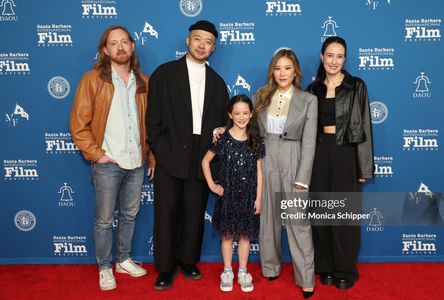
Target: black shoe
343,283
190,271
272,278
307,294
164,281
327,278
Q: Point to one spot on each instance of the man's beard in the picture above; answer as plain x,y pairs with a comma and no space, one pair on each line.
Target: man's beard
120,58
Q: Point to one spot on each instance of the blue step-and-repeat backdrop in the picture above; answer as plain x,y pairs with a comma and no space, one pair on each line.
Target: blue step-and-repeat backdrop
46,195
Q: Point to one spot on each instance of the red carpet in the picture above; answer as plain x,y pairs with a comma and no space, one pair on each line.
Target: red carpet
378,281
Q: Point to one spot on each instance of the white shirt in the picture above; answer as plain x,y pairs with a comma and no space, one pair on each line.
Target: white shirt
278,111
196,74
122,134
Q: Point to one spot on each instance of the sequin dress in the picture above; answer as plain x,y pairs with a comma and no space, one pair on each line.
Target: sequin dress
233,215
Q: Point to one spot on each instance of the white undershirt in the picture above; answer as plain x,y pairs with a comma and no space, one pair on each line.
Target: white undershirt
196,74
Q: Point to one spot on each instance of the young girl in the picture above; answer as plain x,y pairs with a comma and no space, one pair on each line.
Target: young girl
239,189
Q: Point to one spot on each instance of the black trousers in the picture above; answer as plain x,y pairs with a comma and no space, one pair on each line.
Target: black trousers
179,211
335,169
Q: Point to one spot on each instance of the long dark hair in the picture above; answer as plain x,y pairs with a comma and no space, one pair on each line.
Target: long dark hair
103,64
254,138
320,76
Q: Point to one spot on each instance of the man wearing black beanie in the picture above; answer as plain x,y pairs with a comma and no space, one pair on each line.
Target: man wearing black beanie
187,100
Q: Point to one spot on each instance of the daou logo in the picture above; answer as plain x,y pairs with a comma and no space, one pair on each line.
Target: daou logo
329,27
8,12
422,86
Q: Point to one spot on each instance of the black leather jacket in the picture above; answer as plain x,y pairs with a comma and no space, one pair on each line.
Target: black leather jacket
353,123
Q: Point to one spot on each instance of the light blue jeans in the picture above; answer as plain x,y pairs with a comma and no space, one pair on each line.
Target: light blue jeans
111,183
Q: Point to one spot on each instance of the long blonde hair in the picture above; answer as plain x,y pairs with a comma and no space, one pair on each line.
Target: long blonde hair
265,93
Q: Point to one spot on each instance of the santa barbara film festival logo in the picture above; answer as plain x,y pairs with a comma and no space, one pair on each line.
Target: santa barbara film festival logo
283,8
418,243
66,196
383,166
60,143
99,9
147,195
420,139
378,112
25,220
329,28
422,89
237,33
14,64
20,169
239,86
8,11
142,37
18,114
59,87
54,35
254,248
190,8
376,59
67,245
422,30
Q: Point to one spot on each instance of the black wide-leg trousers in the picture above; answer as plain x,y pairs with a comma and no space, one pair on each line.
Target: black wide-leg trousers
335,169
179,211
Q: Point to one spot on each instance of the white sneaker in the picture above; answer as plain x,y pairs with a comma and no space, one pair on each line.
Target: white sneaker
128,266
246,282
226,281
107,281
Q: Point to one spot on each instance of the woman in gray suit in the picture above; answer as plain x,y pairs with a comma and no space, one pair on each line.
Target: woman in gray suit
287,118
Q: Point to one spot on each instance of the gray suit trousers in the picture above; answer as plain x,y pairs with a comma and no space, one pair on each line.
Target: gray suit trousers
279,171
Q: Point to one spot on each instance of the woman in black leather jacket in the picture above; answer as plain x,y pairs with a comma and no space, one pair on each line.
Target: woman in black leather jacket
343,159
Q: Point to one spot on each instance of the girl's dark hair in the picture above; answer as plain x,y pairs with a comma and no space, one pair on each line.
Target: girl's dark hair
254,138
333,39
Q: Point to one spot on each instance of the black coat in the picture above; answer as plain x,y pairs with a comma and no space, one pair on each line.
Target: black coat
353,123
169,116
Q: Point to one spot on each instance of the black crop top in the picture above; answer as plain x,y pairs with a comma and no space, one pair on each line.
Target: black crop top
329,112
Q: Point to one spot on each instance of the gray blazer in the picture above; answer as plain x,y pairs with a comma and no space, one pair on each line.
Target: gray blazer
301,125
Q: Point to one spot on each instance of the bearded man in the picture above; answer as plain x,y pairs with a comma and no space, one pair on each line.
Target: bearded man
107,124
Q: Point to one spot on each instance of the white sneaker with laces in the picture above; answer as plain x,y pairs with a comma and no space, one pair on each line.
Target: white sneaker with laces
246,282
107,281
226,281
128,266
